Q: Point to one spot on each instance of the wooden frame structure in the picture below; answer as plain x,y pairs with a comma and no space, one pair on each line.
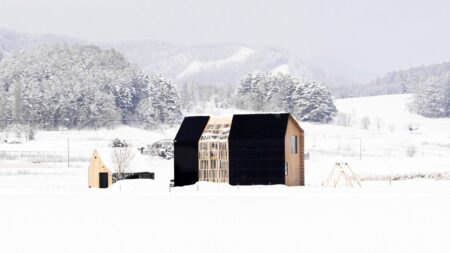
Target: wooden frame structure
342,174
213,150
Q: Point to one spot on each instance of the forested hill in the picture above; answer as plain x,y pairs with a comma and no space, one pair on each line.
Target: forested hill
403,81
218,64
73,86
429,84
79,86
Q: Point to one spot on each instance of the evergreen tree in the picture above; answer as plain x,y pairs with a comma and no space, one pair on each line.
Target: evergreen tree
162,105
313,102
307,100
70,86
252,91
18,102
432,97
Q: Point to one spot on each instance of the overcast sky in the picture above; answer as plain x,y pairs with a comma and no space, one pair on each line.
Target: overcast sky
375,36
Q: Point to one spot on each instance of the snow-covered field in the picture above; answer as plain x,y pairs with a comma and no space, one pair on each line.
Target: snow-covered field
47,207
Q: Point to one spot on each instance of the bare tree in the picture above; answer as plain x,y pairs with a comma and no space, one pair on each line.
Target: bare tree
379,123
344,119
121,159
411,151
365,123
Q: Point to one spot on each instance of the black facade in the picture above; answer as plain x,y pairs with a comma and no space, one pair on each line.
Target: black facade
186,150
256,149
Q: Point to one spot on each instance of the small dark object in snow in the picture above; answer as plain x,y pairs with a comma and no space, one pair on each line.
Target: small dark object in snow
14,141
118,143
412,127
133,175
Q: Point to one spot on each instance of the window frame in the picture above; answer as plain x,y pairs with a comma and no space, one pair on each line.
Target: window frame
294,144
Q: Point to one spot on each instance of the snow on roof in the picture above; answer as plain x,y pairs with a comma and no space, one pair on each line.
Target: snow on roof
139,163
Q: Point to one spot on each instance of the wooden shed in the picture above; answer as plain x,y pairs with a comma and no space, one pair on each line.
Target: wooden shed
241,149
102,170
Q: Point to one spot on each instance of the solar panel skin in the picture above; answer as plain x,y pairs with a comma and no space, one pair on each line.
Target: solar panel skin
256,146
186,150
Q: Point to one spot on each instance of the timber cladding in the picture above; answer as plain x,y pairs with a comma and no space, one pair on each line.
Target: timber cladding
96,167
245,149
294,154
213,150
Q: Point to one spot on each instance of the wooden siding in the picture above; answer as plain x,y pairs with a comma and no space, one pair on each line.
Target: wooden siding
296,164
95,167
213,150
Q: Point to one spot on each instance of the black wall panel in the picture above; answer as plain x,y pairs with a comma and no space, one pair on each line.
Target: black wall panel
256,149
186,150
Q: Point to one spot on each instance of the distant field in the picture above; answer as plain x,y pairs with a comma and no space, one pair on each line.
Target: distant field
386,146
20,165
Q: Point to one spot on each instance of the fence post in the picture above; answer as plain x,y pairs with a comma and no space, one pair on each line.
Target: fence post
68,154
360,148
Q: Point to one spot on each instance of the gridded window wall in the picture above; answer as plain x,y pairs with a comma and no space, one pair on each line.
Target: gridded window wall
213,152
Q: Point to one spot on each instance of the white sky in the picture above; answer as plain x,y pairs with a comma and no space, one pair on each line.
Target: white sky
375,36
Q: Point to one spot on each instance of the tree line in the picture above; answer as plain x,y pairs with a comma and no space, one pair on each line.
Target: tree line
78,86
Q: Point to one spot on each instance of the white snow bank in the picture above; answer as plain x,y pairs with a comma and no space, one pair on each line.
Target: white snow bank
391,110
138,186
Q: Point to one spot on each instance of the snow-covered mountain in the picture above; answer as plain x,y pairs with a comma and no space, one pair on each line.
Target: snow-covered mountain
212,64
217,64
143,53
221,63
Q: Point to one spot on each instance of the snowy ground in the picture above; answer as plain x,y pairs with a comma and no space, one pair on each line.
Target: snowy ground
47,207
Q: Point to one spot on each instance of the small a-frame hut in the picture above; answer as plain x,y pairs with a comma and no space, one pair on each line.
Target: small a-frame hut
101,172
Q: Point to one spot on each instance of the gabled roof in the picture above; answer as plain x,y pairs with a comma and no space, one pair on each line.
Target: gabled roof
294,120
191,129
218,128
138,163
243,126
259,126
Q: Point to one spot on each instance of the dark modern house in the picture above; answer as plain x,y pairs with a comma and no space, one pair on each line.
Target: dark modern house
243,149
